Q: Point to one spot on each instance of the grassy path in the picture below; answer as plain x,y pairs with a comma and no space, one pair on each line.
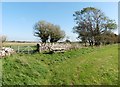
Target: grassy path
76,67
97,67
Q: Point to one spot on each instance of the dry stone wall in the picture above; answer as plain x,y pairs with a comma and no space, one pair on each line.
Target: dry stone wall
6,51
58,46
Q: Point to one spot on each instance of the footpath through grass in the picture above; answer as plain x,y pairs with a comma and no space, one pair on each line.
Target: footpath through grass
85,66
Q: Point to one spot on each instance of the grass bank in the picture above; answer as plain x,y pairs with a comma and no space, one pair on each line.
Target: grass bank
92,66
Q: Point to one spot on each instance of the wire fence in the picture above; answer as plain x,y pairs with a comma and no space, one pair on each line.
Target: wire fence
24,49
28,49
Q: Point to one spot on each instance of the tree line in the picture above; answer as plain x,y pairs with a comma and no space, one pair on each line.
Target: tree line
92,26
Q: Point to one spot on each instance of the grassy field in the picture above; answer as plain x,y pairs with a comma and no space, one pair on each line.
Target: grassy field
16,43
85,66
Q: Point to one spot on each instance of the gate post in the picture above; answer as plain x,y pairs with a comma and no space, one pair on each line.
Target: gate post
38,48
28,49
18,49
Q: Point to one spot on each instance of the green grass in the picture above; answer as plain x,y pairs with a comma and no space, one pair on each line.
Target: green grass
85,66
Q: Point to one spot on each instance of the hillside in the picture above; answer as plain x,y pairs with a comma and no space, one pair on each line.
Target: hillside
98,65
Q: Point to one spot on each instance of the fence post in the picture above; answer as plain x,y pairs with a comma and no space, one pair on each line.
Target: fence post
28,49
18,49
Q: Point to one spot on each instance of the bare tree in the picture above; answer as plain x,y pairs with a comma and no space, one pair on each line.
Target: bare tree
2,39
